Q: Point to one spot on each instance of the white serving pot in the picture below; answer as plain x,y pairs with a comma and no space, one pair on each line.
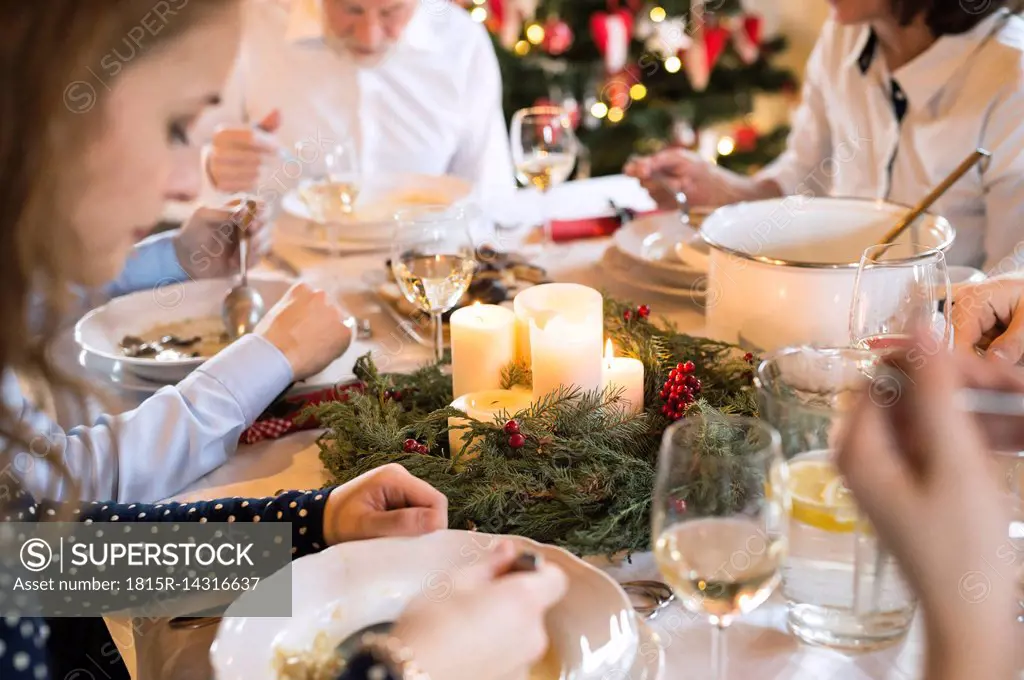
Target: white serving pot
782,271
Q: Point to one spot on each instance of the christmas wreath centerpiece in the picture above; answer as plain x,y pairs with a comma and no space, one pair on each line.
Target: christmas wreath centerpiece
573,469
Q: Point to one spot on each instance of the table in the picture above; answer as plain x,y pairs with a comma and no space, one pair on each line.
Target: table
759,645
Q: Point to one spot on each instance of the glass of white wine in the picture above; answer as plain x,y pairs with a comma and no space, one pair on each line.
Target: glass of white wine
544,149
329,186
720,517
900,289
433,260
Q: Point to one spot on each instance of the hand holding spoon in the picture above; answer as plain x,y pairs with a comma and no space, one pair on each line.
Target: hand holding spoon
243,307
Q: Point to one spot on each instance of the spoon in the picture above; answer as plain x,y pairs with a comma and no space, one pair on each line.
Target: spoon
243,307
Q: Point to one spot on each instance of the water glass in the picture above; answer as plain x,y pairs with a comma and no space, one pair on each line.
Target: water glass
842,590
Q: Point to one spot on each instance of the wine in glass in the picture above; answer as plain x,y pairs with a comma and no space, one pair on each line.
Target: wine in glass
433,261
720,517
900,289
544,149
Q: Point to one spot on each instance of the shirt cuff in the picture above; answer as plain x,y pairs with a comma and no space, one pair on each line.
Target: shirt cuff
252,370
152,263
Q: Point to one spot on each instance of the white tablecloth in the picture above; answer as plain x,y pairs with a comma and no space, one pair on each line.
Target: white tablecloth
759,646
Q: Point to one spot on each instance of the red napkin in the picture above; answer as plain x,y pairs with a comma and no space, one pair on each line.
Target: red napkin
283,416
588,227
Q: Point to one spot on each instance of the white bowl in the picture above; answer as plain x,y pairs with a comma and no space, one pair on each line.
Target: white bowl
100,331
352,585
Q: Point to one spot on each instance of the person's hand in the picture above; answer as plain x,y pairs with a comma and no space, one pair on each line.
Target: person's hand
920,470
490,626
991,313
307,328
237,153
387,501
207,245
668,172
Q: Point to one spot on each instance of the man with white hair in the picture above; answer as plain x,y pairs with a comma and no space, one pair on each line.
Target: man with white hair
412,85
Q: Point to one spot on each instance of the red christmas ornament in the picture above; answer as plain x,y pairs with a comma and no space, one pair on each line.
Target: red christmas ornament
627,315
511,427
422,449
643,311
517,441
715,39
612,31
558,36
746,137
410,445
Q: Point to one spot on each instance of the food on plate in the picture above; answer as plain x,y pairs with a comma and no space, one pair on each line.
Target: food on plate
319,662
414,197
186,339
322,662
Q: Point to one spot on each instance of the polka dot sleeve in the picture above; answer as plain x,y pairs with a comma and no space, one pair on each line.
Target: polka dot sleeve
304,509
23,649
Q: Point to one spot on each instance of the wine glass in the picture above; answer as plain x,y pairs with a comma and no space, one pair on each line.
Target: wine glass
433,261
720,517
329,186
900,289
544,150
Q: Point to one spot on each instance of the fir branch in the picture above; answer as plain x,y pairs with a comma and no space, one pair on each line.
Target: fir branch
517,373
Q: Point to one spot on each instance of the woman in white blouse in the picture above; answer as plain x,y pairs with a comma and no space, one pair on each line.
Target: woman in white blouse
897,94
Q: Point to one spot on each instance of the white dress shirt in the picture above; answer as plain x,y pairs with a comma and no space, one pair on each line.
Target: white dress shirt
867,132
432,106
175,437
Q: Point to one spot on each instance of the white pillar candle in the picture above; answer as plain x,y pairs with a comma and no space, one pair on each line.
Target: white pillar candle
578,304
483,343
483,406
565,353
626,375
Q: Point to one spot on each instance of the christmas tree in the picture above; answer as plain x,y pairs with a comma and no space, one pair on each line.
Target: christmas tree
638,76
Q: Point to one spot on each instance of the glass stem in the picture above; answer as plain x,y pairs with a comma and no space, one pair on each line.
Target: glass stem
549,237
438,337
718,654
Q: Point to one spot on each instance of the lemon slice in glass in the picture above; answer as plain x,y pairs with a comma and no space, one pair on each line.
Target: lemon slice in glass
820,499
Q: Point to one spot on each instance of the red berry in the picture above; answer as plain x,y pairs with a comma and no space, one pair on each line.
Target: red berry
688,367
422,449
666,409
679,379
644,311
512,427
627,315
410,445
748,357
679,367
396,395
517,441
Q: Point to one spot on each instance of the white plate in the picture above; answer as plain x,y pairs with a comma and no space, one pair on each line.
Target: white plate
651,241
650,657
628,273
356,584
379,197
115,373
100,331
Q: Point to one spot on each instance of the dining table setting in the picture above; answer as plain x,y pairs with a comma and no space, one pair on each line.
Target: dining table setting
472,303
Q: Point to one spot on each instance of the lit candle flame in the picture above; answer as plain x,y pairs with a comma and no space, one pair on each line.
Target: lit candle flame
609,352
